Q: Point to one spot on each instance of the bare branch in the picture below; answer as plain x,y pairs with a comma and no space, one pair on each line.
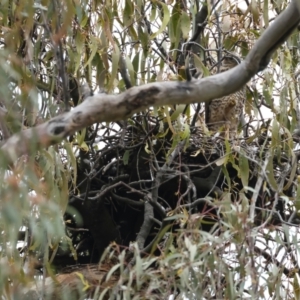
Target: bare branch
106,108
147,225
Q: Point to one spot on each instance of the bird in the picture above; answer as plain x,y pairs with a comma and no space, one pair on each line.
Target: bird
75,282
225,114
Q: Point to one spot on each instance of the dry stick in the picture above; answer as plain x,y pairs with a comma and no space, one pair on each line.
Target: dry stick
107,108
146,226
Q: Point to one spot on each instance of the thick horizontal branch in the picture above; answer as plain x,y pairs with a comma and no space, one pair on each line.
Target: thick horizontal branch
106,108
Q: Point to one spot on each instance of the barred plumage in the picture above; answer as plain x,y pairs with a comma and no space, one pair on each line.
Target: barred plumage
224,114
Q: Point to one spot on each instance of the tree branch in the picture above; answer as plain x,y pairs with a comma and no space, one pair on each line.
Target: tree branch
107,108
146,226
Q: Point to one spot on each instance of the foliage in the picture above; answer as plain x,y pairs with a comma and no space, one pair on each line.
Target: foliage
189,213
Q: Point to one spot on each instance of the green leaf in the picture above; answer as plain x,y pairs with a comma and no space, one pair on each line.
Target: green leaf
244,169
244,48
72,162
297,200
185,134
289,149
144,38
221,161
70,244
270,174
46,161
84,146
268,97
266,12
287,61
126,157
160,236
255,11
230,41
111,272
162,134
136,64
81,136
84,282
79,43
174,22
185,24
84,20
128,13
200,66
147,148
64,191
93,47
227,147
115,67
275,140
165,21
296,286
179,109
226,174
153,12
130,69
138,271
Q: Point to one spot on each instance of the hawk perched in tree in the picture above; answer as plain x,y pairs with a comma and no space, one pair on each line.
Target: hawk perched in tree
225,114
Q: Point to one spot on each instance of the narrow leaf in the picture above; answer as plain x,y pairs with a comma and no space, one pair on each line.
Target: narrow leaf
165,21
244,170
185,25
